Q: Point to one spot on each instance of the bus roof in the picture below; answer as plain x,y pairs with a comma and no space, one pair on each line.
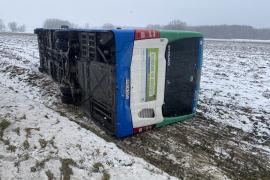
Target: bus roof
172,35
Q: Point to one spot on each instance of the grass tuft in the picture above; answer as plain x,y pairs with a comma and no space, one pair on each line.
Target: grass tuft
51,141
17,131
11,148
28,131
3,125
106,176
39,165
79,146
66,171
26,144
97,167
62,114
43,143
81,115
6,142
50,175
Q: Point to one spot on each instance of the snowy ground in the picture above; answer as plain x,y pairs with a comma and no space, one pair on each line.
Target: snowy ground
229,138
41,143
235,87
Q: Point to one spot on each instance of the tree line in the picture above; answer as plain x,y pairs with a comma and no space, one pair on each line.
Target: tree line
12,27
218,31
232,32
213,31
58,23
209,31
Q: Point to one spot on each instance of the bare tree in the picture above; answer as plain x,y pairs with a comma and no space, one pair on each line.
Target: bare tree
2,26
87,26
21,28
57,23
154,26
13,26
176,25
108,26
173,25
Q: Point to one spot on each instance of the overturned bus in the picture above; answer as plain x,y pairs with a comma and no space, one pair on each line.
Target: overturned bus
127,80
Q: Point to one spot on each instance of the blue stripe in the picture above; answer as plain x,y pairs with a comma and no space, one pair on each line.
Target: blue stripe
198,78
124,48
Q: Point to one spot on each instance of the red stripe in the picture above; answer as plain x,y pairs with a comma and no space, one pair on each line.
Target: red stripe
142,129
146,34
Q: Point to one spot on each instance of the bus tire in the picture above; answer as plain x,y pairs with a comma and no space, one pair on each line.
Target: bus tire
62,34
61,45
65,90
67,99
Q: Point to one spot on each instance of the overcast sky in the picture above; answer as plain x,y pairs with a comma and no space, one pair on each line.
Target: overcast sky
32,13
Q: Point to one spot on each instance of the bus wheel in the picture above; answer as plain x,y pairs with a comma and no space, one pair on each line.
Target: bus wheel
40,69
61,45
61,34
67,99
65,90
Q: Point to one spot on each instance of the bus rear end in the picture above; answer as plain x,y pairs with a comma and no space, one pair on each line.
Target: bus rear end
161,81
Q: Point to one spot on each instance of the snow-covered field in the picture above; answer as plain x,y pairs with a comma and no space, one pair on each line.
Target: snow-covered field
230,137
235,86
40,143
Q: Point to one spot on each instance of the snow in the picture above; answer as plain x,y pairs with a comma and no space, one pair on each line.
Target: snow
26,109
235,91
240,40
235,84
